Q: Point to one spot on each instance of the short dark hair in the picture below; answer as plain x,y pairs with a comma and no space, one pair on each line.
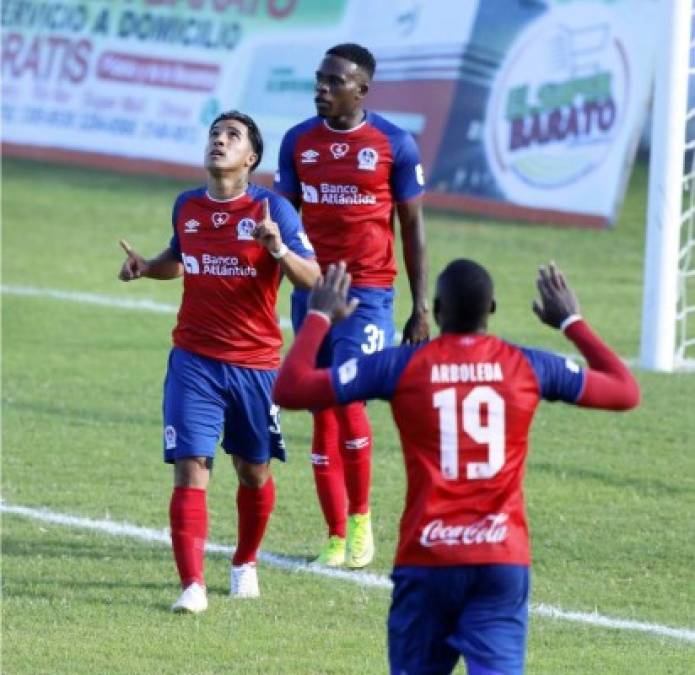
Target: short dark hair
356,54
467,289
254,132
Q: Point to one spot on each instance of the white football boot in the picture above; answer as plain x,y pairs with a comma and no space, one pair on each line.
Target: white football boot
244,581
193,600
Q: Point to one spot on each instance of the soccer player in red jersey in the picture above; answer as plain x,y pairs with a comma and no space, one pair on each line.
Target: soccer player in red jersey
463,404
349,170
232,242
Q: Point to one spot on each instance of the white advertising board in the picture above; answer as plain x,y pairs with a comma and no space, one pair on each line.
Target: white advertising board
521,109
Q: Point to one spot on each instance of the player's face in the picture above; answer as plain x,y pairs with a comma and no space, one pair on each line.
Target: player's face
340,88
228,147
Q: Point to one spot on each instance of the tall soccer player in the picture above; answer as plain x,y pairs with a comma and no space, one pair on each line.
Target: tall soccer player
463,404
232,241
349,170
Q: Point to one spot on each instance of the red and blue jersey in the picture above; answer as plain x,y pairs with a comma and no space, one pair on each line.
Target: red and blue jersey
230,281
347,183
464,502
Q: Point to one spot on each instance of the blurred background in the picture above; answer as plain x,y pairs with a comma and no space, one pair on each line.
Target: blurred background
523,109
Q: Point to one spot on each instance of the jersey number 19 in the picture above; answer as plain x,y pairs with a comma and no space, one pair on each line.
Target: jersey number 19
484,429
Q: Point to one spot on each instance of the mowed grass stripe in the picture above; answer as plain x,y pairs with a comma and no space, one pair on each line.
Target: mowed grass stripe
364,579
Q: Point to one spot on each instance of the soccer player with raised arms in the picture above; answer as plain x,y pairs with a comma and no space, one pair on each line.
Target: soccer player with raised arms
463,404
349,170
232,241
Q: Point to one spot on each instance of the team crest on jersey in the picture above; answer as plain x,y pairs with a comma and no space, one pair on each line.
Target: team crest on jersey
191,226
169,437
219,218
339,150
310,156
367,159
245,228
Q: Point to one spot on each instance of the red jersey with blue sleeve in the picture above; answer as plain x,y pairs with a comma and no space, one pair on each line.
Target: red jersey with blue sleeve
230,281
347,183
464,502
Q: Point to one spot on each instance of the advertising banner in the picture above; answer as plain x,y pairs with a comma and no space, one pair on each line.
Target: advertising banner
523,109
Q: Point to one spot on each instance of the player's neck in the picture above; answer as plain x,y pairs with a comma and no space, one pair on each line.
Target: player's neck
462,329
227,186
347,122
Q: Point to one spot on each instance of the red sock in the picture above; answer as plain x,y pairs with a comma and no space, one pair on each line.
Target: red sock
188,519
328,471
356,451
254,506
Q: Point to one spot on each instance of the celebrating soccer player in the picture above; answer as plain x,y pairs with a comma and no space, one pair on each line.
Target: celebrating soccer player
232,241
463,404
348,170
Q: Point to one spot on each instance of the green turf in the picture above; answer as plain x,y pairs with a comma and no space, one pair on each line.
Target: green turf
611,497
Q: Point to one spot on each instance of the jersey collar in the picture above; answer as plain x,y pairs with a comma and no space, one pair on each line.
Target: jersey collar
347,131
224,201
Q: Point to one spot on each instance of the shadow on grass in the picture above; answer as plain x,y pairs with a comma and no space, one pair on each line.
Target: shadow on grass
106,558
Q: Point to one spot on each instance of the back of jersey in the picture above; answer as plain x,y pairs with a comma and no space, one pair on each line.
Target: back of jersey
463,406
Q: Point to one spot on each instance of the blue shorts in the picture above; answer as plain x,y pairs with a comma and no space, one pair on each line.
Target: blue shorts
368,330
205,399
440,613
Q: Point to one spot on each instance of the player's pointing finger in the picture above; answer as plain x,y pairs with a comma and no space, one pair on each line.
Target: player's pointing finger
126,247
266,209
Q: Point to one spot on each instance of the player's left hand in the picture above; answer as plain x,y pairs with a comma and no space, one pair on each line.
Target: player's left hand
557,299
416,329
329,295
267,232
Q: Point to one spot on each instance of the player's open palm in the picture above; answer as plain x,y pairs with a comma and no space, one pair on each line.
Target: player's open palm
267,232
330,292
557,299
134,266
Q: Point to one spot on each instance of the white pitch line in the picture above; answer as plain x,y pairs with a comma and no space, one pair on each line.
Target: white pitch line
144,305
364,579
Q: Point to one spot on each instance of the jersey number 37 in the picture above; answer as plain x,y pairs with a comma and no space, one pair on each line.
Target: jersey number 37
482,418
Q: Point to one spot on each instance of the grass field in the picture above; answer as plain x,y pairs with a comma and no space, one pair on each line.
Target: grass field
611,497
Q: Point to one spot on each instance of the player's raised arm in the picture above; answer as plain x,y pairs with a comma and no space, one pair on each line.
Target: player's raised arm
609,383
300,384
302,272
164,266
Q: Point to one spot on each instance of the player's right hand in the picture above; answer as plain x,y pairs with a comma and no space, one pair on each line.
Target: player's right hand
329,295
134,266
557,301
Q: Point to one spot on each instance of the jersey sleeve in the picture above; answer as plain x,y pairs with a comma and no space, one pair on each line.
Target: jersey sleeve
559,378
291,228
286,179
373,376
407,177
174,243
